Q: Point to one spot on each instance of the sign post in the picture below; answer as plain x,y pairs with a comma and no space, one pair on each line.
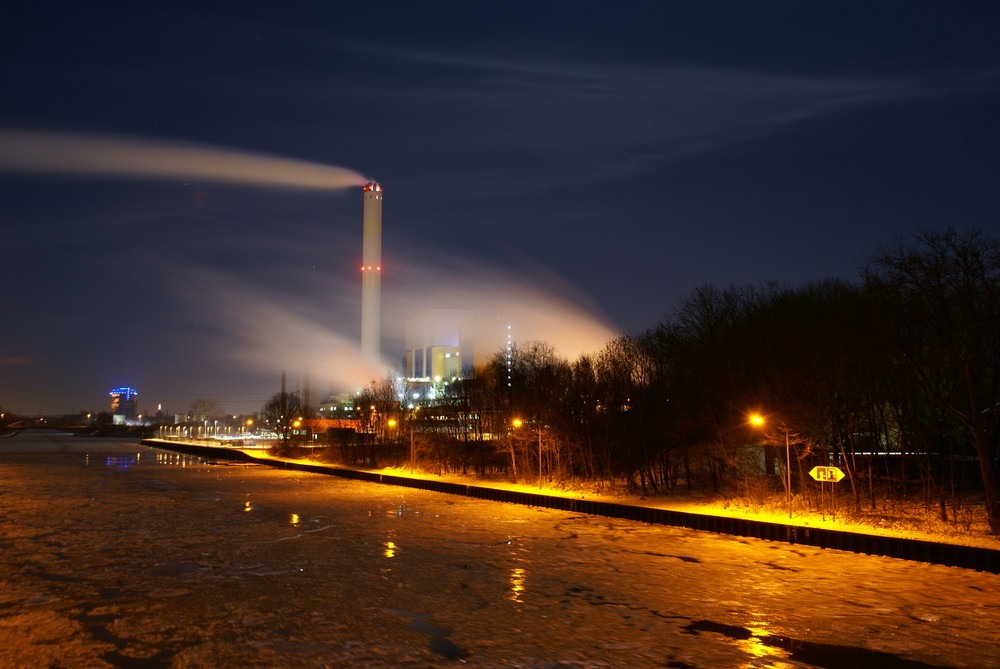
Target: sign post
824,474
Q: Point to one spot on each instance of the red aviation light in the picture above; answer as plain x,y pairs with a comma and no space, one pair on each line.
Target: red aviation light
373,186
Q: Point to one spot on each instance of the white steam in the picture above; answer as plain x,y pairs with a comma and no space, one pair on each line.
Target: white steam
537,303
136,157
270,330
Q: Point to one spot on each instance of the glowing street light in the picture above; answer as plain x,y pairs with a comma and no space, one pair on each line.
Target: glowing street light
759,421
517,422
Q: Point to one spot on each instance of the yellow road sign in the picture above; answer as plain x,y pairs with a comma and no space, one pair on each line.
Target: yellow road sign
826,473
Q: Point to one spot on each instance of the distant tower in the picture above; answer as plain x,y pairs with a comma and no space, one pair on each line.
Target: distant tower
123,405
371,274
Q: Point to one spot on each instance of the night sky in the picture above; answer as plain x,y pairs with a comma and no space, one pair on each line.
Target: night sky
595,160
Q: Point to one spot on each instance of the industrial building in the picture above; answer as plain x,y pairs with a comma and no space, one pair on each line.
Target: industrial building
443,344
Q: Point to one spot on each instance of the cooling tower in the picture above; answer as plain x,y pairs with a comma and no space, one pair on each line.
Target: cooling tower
371,274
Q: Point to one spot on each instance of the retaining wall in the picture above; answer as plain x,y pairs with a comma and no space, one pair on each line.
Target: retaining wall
968,557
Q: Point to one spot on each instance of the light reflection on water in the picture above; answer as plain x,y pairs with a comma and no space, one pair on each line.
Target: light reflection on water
294,520
755,646
177,459
390,549
120,462
518,577
397,512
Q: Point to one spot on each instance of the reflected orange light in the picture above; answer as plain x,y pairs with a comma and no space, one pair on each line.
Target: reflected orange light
758,649
390,549
518,577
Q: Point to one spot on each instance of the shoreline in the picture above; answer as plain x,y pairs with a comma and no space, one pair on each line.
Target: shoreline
803,530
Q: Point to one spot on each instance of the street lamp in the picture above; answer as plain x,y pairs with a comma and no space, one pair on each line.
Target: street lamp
412,450
538,430
759,421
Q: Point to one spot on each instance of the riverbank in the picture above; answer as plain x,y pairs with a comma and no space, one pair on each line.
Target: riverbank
123,555
903,521
891,539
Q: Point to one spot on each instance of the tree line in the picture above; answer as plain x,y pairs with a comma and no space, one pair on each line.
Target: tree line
893,378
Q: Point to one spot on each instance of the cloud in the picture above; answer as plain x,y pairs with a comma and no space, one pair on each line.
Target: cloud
539,122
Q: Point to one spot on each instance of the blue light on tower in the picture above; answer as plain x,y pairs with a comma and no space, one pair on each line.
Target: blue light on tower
124,392
123,404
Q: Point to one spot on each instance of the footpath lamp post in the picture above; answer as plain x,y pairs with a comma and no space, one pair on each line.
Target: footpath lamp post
517,422
391,433
538,429
412,452
758,421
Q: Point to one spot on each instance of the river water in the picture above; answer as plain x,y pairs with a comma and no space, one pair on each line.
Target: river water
113,554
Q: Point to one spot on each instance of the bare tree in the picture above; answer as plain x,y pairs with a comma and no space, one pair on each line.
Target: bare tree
381,416
939,307
204,408
281,412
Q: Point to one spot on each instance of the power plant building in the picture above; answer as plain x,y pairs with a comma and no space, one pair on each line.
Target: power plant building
443,344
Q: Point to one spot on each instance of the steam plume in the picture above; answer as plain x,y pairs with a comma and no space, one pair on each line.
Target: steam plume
119,155
266,329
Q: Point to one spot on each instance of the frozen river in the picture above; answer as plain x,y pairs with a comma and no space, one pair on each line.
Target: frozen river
114,554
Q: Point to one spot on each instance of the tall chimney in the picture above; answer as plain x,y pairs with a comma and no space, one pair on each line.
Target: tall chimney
371,274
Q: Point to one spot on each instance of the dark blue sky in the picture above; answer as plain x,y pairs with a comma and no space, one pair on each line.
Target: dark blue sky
623,153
